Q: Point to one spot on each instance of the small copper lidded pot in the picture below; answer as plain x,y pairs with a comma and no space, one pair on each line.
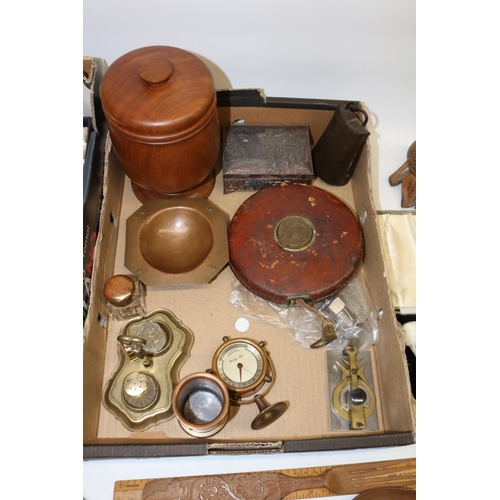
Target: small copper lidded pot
161,109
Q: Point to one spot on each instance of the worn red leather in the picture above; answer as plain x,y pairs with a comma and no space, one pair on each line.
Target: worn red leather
278,274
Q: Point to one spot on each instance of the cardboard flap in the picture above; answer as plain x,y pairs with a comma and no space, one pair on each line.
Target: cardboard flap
93,71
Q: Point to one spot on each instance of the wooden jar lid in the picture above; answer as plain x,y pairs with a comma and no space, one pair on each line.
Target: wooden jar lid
119,290
294,240
158,93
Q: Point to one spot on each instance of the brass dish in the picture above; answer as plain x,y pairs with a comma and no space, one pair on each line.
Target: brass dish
151,353
173,242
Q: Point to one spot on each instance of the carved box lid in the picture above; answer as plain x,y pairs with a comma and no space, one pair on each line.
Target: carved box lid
259,156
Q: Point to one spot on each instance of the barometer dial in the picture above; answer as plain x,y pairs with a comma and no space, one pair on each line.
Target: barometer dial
241,364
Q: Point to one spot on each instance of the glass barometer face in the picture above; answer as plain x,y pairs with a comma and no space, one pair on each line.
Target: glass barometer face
244,366
240,364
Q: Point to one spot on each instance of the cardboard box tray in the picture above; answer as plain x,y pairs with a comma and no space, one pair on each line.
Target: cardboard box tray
302,377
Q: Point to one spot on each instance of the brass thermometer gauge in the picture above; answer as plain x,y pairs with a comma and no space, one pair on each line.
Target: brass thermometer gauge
245,366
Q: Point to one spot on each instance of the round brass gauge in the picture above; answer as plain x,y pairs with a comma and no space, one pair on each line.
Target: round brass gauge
243,365
294,233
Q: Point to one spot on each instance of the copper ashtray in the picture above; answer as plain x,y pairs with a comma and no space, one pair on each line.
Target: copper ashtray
177,242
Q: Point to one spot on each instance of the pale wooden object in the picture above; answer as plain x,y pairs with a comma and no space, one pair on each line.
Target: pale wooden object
339,480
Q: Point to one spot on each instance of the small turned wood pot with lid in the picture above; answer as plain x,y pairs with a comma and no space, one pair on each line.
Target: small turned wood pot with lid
161,109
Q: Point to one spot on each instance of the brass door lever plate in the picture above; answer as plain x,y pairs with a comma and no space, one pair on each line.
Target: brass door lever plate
151,352
353,401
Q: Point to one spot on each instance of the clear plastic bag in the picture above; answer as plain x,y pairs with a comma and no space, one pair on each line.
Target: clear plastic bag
356,324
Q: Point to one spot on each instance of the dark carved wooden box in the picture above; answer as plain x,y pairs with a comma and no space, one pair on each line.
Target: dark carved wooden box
259,156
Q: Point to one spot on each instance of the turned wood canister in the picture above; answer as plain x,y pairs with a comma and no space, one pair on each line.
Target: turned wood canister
161,109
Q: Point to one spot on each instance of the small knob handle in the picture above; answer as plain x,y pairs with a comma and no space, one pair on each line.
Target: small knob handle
155,71
135,348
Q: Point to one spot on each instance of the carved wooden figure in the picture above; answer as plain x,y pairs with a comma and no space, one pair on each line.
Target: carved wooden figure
406,175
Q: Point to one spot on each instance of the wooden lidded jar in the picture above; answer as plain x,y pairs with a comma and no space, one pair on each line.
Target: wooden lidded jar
161,109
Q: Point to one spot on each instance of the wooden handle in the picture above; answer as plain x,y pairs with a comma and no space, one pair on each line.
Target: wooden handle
339,480
239,486
312,482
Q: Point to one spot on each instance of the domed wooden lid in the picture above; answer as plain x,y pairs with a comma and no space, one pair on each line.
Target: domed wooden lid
158,92
294,240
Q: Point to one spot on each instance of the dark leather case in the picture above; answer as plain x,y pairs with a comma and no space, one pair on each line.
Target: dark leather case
337,151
